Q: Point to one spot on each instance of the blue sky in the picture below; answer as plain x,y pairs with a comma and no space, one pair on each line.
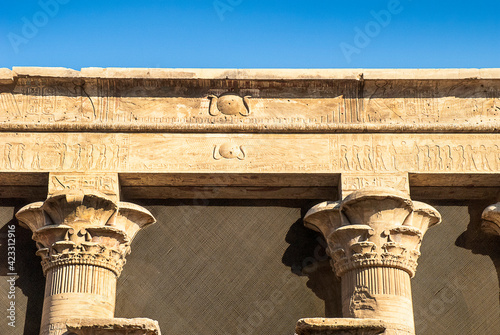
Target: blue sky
250,34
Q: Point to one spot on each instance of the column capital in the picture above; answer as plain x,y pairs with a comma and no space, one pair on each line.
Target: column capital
373,227
491,219
83,227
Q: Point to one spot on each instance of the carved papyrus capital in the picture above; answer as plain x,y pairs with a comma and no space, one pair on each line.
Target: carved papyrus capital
373,227
83,228
491,219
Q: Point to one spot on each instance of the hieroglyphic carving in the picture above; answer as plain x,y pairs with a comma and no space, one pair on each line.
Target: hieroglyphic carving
107,183
420,102
169,102
352,182
177,104
443,154
62,152
367,154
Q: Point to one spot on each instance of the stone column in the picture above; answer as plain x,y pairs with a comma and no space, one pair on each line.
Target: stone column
82,238
374,238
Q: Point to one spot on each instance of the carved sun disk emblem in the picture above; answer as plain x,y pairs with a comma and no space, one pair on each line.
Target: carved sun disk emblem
229,150
229,104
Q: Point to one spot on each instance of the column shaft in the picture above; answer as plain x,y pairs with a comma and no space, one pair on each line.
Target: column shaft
81,289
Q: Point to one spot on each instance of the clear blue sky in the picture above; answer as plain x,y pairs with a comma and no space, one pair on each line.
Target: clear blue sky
250,33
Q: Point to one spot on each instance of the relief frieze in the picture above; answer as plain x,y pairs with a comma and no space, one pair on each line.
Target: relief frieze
362,154
203,105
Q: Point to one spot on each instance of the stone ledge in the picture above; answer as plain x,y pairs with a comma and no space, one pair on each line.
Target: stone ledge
54,72
258,74
339,326
6,76
138,326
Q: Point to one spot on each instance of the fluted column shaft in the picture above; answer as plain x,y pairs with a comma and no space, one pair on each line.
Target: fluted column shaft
87,291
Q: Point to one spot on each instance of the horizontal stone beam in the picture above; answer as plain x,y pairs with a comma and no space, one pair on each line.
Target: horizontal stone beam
310,101
380,154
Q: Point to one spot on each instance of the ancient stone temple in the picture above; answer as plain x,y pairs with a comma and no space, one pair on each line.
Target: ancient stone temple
250,201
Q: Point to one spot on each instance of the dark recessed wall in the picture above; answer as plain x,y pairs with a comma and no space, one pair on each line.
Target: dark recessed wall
251,268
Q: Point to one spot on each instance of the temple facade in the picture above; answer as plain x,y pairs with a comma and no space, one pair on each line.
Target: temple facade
261,201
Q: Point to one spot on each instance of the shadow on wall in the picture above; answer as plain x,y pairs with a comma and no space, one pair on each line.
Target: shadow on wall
30,279
306,256
478,242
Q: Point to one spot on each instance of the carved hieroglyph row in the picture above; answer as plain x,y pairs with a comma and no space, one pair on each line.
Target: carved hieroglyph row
267,103
369,154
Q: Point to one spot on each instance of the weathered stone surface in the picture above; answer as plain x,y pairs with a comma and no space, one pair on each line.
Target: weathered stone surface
6,76
344,326
113,327
281,100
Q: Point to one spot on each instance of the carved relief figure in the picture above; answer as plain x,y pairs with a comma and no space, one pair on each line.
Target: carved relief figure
363,304
367,159
483,153
35,164
379,158
356,163
229,104
101,159
115,155
14,156
461,157
90,155
77,150
447,158
496,156
229,150
344,159
469,158
7,156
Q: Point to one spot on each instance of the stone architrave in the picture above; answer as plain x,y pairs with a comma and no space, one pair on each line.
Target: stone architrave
83,238
374,237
